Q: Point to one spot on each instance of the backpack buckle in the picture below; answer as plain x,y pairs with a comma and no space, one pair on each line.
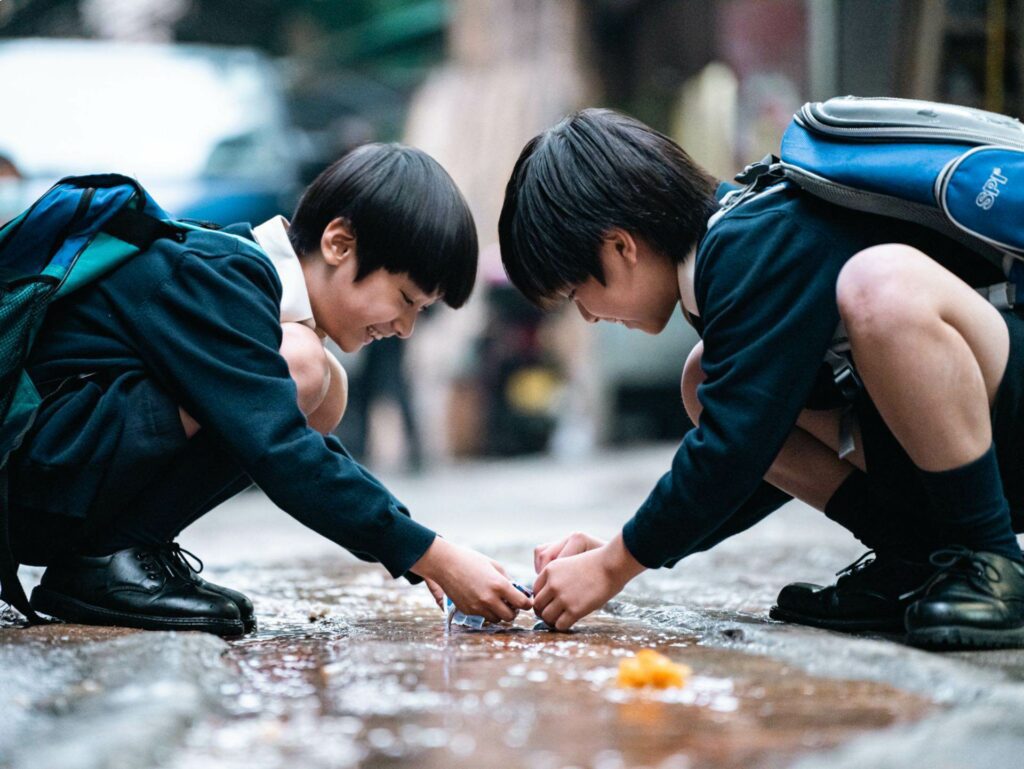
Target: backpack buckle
848,383
756,172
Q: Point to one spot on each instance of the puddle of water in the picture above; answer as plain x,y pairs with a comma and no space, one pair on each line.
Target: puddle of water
352,669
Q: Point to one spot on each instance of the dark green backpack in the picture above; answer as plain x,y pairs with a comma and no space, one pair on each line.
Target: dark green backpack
78,231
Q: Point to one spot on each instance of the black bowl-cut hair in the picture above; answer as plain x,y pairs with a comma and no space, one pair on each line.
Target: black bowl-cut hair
595,170
406,213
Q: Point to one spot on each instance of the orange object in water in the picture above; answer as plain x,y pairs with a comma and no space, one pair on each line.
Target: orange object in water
648,668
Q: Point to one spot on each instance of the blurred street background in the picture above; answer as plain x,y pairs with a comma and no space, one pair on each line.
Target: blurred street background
224,110
500,427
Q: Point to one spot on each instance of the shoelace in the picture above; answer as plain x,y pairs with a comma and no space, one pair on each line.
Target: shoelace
178,558
859,564
959,560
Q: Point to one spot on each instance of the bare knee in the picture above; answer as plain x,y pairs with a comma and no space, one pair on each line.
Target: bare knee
880,290
693,375
307,364
332,408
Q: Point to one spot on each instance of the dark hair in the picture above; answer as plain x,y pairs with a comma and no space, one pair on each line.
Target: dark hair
406,213
595,170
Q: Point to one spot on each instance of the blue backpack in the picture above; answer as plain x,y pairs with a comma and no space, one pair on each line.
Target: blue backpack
82,228
956,170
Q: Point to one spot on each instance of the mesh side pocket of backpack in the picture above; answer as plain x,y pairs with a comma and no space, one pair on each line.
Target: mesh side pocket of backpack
22,308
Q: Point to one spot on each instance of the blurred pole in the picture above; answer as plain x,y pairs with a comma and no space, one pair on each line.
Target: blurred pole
927,28
823,48
995,56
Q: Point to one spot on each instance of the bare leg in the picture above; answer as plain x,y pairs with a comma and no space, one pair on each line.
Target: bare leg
929,349
320,380
328,414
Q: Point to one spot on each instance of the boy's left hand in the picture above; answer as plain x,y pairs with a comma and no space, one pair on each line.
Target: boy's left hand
569,588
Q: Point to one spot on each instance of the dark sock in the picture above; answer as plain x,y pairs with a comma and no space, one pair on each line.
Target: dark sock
859,507
971,506
848,505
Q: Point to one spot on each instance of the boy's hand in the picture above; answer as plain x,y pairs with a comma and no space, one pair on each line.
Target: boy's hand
574,544
436,592
569,588
475,583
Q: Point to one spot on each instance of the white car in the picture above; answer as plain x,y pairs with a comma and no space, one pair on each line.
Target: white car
204,129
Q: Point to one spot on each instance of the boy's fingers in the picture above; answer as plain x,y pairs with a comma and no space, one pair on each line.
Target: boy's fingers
564,621
538,557
552,612
503,610
486,613
572,546
436,591
578,543
544,554
499,568
541,600
543,558
539,584
515,599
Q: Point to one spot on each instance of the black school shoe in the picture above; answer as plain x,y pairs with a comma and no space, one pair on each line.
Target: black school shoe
135,587
178,556
871,594
975,601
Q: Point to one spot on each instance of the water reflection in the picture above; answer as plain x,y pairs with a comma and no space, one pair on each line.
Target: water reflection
351,669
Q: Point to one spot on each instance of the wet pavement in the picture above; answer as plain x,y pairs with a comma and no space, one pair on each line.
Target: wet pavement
352,669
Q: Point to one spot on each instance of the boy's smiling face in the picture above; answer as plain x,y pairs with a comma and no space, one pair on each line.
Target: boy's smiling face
641,288
355,313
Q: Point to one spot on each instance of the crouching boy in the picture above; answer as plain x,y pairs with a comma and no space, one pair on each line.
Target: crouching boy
606,213
198,368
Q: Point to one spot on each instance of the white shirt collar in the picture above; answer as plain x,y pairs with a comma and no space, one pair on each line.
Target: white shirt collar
272,237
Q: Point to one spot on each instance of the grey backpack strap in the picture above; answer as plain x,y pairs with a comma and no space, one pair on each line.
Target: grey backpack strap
1002,296
844,375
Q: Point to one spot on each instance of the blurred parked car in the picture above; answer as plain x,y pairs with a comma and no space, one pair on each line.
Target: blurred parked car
204,129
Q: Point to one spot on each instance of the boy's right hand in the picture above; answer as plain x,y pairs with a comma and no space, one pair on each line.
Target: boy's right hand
574,544
475,583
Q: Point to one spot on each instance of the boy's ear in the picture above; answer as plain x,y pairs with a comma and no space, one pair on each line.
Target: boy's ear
623,244
338,242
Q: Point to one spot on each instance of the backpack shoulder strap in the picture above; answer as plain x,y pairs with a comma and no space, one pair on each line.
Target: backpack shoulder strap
758,178
140,229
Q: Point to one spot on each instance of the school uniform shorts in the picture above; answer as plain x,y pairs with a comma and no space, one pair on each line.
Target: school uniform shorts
117,457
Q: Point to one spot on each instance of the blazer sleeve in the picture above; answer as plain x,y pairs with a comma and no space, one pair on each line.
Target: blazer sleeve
767,298
211,332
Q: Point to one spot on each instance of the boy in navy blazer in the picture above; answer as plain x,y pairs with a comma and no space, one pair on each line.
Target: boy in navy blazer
198,368
607,213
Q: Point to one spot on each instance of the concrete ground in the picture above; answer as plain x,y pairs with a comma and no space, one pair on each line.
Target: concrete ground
350,668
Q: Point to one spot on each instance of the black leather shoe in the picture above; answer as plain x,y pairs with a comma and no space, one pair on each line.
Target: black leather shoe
178,556
976,601
870,595
135,587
